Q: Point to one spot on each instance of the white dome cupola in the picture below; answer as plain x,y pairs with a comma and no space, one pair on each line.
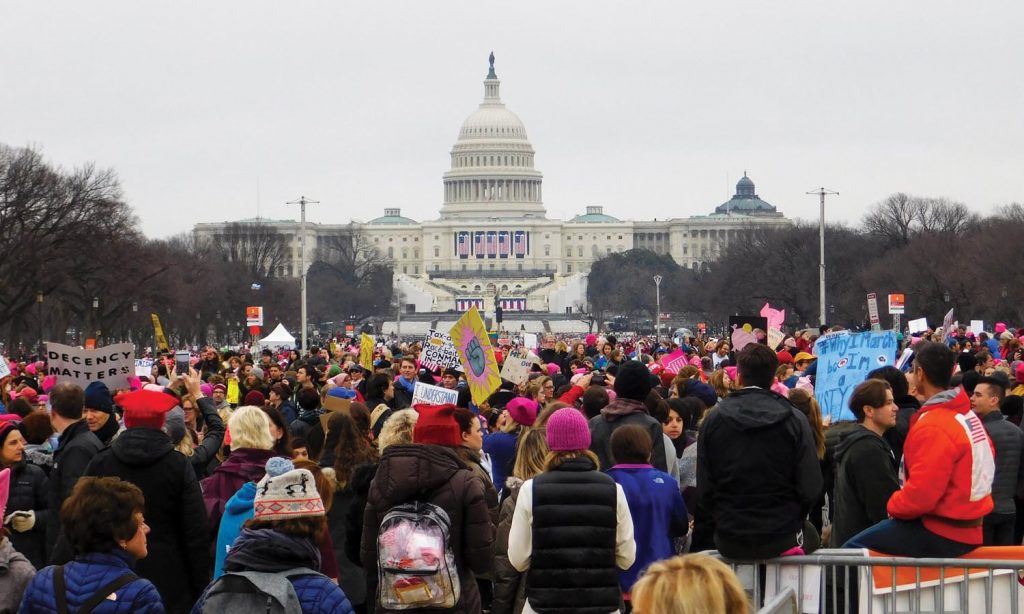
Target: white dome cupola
492,173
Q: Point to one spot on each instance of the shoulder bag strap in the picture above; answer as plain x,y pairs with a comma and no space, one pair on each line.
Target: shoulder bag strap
105,590
59,590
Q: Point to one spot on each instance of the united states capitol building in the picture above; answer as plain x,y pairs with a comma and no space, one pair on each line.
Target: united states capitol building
493,238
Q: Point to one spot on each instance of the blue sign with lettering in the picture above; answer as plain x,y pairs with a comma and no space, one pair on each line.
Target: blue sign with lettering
844,360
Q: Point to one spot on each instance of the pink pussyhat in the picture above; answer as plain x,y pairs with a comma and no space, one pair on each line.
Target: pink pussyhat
1000,327
5,490
48,382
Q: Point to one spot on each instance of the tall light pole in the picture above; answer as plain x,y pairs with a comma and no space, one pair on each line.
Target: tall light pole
302,202
657,316
39,304
821,192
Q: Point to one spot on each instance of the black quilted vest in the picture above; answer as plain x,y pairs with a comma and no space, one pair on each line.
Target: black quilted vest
572,568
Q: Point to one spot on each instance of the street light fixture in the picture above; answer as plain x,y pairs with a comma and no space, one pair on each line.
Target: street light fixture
945,296
39,303
657,316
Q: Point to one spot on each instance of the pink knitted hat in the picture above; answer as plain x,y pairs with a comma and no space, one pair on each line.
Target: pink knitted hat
567,431
523,410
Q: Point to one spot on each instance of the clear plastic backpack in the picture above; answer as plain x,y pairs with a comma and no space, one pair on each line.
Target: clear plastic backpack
415,562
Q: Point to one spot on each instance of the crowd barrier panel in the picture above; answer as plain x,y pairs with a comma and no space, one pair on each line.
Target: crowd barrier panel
848,581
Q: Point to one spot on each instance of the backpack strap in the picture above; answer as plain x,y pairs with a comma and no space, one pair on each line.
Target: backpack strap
101,594
59,590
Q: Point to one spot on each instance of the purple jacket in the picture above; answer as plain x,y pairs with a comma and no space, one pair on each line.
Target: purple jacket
244,465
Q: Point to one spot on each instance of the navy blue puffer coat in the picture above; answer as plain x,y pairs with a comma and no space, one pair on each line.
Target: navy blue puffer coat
83,577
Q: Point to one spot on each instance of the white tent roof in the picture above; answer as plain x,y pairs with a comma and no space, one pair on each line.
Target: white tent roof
278,337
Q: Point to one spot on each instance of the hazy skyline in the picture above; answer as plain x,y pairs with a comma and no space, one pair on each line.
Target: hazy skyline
653,109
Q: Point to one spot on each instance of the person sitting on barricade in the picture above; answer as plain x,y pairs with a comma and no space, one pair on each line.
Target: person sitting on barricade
947,471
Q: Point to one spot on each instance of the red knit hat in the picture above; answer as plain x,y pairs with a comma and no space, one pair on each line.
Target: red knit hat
145,408
436,425
785,358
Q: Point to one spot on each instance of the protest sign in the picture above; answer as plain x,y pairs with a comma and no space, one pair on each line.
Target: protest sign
918,326
433,395
947,326
5,368
873,311
112,365
366,352
143,367
977,326
674,362
439,351
844,360
530,340
471,340
775,317
158,332
775,338
745,330
516,369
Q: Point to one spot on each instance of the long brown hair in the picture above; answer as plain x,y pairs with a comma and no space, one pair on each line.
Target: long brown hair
808,406
351,450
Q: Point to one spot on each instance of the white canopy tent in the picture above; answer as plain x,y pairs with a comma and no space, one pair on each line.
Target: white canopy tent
279,337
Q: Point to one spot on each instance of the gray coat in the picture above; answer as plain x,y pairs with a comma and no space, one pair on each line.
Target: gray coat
15,574
1008,440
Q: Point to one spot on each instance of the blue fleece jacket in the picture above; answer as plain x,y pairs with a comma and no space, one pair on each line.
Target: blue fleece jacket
238,509
658,511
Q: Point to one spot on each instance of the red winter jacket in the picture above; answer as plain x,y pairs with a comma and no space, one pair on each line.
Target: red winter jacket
948,468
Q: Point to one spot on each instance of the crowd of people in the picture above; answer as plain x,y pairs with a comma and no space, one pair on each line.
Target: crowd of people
595,485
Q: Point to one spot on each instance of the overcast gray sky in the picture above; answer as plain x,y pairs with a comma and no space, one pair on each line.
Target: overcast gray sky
652,109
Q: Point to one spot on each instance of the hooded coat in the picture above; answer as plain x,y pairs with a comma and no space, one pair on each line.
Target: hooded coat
757,475
621,412
243,465
865,479
405,472
179,549
267,550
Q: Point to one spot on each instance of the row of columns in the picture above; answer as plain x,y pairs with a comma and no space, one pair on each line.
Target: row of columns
478,190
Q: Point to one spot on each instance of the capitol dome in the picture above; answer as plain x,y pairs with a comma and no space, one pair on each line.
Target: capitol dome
492,173
746,201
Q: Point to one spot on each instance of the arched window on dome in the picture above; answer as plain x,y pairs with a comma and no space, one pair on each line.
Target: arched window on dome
476,288
504,287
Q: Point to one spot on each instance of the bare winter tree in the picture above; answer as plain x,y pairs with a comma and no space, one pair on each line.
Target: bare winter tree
350,275
900,217
263,249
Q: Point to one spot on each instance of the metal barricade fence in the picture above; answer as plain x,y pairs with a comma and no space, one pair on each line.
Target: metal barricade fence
845,581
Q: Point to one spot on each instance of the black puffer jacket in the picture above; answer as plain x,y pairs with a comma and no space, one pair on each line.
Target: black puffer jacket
28,493
179,550
865,479
408,469
757,475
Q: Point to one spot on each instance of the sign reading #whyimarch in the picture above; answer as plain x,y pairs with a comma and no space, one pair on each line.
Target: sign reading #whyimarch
112,365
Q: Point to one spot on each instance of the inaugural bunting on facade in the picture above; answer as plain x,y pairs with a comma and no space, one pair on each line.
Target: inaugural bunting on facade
464,304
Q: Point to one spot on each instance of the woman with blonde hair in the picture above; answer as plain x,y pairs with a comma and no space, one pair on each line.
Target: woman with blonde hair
251,448
571,526
690,584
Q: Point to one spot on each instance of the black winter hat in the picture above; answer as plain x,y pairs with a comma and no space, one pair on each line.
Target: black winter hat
633,381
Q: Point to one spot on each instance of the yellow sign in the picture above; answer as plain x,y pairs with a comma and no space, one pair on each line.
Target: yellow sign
474,345
366,352
158,331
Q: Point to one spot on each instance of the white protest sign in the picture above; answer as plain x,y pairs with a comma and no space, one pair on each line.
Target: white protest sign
433,395
977,326
516,369
5,368
143,367
775,338
530,341
439,351
112,365
918,326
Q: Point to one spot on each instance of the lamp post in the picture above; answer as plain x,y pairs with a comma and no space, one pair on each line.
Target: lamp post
821,192
39,306
302,202
96,317
135,311
657,306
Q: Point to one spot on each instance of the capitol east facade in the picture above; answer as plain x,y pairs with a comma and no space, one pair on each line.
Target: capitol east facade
492,236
